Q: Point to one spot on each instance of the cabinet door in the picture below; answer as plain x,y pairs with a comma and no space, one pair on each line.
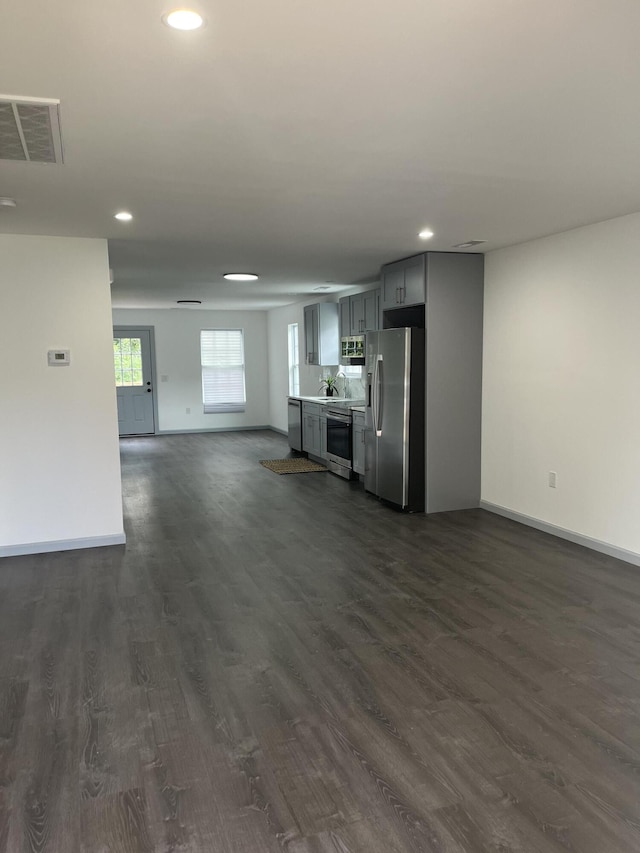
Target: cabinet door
307,434
317,438
357,314
311,435
371,310
358,448
323,437
311,334
345,317
392,285
414,291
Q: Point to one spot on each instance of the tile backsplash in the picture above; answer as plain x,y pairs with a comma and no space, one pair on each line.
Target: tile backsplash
352,385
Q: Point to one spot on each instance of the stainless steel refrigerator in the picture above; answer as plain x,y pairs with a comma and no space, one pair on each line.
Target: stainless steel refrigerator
395,413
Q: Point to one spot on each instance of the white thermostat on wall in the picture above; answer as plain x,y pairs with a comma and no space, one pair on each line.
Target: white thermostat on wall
59,357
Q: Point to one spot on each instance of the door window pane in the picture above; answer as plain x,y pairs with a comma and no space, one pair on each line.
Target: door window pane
127,361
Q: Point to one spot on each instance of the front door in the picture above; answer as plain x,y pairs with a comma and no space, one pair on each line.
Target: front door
134,382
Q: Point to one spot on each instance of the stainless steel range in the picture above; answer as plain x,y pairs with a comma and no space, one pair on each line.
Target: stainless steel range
339,445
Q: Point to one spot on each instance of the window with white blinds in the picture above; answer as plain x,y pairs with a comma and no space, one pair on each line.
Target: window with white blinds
222,357
294,359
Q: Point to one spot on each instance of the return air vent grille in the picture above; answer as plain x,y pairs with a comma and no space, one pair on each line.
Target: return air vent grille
469,244
30,130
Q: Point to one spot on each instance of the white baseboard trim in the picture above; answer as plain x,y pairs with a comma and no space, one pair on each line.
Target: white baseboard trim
62,545
578,538
203,429
281,431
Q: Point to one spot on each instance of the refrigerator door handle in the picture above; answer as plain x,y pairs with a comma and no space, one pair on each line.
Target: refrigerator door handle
374,395
377,408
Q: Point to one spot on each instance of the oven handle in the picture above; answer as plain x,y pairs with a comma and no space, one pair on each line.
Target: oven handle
343,419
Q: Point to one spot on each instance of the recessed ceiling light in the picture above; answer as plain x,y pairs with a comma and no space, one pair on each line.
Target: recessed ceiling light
7,202
427,234
183,19
240,276
124,216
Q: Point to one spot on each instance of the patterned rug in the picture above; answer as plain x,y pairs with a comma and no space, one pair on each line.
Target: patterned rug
292,466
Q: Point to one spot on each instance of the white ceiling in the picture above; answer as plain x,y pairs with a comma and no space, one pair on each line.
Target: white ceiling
310,142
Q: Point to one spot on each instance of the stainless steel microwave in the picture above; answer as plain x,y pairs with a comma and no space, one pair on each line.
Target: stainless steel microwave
352,350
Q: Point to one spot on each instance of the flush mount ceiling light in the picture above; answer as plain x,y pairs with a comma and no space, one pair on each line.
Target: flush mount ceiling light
183,19
322,287
123,216
240,276
426,234
7,202
188,303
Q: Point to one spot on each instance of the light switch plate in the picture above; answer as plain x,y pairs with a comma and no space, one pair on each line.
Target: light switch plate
59,357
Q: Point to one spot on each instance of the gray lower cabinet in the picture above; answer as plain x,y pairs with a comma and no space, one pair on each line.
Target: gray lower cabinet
404,282
323,434
311,435
321,333
358,442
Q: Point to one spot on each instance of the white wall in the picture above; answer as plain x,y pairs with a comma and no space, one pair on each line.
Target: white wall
177,338
562,380
59,461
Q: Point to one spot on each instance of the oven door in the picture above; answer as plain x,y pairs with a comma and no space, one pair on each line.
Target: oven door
339,448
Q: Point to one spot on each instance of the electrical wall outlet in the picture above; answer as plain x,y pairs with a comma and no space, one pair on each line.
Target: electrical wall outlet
553,479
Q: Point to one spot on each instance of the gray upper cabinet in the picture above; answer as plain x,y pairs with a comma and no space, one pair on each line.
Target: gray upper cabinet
404,283
321,333
357,314
345,316
371,305
311,334
360,313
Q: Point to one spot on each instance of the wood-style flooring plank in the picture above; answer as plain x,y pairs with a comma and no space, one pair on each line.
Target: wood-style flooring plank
286,664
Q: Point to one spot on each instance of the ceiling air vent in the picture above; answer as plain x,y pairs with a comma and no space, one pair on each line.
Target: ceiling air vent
30,129
469,244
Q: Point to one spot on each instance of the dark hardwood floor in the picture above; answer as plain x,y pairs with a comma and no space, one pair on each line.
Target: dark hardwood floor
282,663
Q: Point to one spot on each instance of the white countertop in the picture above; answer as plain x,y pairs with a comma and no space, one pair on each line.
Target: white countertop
356,403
